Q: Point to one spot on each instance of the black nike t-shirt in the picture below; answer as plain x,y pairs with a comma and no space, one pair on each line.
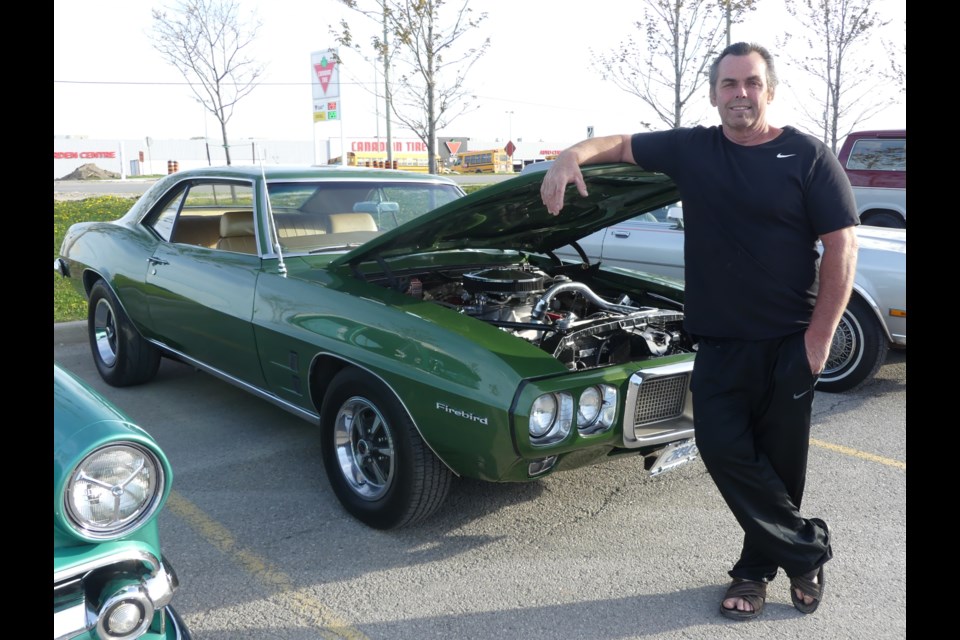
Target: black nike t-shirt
752,216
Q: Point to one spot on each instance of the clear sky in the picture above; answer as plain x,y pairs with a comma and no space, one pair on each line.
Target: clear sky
537,82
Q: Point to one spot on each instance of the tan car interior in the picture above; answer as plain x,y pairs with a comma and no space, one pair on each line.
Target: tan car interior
234,230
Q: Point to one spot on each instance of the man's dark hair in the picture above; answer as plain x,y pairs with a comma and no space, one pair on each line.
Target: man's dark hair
743,49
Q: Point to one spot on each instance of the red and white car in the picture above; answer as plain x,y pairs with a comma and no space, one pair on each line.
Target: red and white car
876,163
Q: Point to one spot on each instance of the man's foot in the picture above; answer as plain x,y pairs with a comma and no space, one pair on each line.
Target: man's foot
798,593
744,599
807,590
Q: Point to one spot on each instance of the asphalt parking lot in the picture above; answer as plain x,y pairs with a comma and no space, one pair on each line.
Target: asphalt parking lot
263,549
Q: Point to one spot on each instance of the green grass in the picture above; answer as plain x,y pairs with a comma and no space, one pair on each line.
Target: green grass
68,304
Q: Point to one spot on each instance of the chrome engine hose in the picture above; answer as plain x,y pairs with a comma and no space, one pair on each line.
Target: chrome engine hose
544,303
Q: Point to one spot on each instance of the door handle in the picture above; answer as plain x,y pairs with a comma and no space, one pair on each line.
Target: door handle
621,234
156,261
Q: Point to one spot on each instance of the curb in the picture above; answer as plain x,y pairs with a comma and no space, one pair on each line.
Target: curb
70,332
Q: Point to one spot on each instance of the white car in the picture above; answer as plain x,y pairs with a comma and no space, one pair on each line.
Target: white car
875,318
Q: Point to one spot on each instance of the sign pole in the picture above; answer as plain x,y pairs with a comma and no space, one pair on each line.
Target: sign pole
326,93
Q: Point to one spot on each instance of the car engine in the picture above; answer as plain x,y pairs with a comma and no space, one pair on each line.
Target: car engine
564,317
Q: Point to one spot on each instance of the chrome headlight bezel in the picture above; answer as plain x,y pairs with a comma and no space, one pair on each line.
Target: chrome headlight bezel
601,402
551,416
126,475
588,408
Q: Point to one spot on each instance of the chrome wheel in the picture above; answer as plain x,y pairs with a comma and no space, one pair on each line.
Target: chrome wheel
364,448
379,467
858,348
845,349
105,332
123,357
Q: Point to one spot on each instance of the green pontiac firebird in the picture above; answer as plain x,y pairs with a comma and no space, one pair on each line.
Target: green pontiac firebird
110,481
426,332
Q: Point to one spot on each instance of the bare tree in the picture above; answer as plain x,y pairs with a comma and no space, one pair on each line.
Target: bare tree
422,39
897,56
206,41
733,11
344,37
682,36
848,85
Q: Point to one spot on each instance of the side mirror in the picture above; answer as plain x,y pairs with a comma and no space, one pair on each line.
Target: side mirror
676,213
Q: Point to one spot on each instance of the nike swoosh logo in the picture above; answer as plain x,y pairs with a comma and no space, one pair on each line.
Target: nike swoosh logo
785,155
797,396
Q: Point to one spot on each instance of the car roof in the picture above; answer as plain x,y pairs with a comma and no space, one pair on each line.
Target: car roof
280,172
879,133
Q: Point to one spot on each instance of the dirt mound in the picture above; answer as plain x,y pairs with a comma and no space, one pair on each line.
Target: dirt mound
90,171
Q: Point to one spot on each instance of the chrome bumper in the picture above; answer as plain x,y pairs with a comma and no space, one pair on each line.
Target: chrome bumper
83,594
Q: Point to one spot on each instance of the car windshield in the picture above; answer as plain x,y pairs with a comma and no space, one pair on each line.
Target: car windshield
322,216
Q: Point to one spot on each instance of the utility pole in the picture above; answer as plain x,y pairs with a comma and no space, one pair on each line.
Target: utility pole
386,85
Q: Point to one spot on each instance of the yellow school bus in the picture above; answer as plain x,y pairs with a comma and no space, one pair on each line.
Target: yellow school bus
485,161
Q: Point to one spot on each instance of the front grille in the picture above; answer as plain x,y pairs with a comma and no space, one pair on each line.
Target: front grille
660,398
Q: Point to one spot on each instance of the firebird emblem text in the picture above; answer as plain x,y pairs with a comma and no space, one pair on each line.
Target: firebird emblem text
462,414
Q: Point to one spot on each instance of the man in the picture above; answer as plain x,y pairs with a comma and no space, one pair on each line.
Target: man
756,198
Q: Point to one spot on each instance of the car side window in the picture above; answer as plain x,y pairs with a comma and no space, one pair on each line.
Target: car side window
657,215
198,214
878,155
162,224
656,218
218,215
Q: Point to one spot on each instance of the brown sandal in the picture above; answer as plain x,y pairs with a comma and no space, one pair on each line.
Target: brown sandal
808,587
753,591
810,584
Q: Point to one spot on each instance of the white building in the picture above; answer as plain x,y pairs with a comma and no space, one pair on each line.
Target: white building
156,157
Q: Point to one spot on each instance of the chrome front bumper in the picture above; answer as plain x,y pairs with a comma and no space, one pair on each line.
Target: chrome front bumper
83,595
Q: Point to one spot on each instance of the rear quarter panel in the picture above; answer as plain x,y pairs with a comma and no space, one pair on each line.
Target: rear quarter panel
115,252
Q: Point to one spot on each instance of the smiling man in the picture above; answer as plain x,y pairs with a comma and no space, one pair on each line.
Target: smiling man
763,304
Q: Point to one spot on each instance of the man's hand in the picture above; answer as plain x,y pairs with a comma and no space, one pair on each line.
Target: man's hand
818,350
562,172
566,168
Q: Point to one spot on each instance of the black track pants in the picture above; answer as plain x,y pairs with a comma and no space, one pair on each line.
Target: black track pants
751,408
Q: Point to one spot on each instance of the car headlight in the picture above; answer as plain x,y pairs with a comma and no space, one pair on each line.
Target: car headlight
597,408
550,418
542,414
590,403
114,490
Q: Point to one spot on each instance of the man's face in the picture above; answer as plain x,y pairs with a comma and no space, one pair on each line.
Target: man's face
741,94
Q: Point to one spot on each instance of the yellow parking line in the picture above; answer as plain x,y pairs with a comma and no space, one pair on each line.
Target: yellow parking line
307,608
859,454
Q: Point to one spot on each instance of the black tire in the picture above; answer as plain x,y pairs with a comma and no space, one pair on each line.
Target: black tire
885,219
378,465
121,354
859,348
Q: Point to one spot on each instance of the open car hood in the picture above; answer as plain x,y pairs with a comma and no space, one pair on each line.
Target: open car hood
511,216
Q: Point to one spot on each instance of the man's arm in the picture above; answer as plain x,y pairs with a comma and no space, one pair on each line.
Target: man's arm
566,168
837,269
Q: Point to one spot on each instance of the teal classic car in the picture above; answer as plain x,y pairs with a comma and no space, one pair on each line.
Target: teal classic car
427,333
110,481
